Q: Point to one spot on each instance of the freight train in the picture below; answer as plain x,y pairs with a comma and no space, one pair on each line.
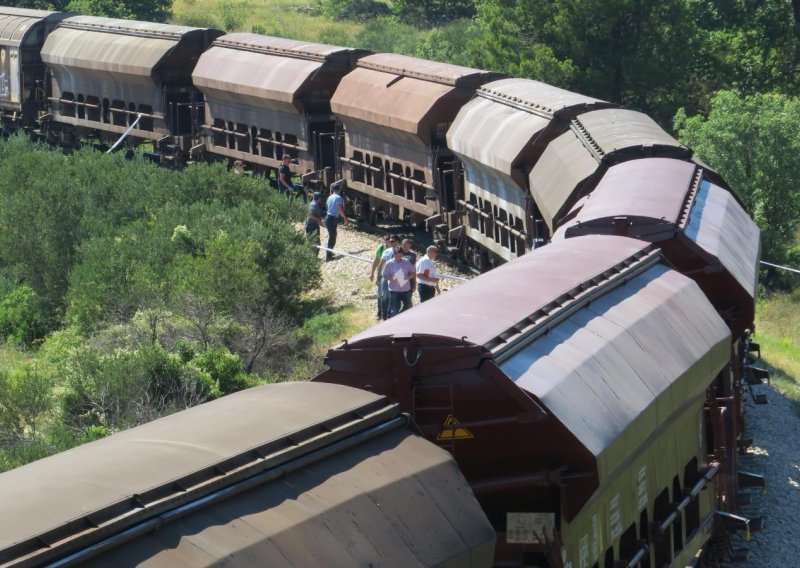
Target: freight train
590,388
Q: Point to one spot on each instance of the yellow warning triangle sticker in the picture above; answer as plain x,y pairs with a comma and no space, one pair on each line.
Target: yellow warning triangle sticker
453,433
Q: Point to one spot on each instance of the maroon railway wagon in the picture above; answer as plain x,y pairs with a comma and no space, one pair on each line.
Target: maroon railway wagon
701,227
577,388
498,137
290,475
396,110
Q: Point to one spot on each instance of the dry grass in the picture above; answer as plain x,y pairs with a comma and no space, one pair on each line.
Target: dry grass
283,18
778,333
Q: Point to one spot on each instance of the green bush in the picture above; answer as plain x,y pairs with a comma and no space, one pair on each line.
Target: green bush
23,319
127,388
225,368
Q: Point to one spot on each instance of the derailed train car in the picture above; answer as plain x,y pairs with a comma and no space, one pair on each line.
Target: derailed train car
498,137
555,147
285,475
580,402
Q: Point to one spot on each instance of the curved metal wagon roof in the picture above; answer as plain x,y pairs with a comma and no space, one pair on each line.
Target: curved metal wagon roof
95,46
285,459
568,167
269,71
501,127
658,199
608,338
405,93
20,26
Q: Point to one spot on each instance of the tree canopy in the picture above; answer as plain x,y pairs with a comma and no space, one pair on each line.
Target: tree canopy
147,10
753,141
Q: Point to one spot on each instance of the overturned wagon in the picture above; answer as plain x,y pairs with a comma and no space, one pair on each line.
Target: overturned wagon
575,388
294,474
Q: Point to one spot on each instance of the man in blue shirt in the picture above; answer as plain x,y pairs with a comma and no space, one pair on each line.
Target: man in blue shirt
335,205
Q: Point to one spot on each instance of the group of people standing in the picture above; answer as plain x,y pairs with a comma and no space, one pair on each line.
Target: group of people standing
399,273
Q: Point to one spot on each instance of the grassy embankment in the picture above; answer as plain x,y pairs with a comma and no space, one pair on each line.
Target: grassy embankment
304,20
778,333
286,18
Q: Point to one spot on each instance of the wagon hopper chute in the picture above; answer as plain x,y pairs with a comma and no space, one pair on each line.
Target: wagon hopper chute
23,90
266,97
396,110
586,375
498,137
284,475
110,75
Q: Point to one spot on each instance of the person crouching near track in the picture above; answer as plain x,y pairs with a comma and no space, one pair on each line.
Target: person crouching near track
428,274
314,221
399,274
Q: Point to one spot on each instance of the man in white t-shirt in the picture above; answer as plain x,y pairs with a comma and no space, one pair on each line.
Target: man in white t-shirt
399,274
428,274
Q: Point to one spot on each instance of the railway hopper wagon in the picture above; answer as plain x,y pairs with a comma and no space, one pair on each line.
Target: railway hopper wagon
396,111
112,77
577,389
295,474
701,227
497,137
23,89
266,97
705,233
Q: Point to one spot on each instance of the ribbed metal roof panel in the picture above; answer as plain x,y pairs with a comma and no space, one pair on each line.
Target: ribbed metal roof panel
271,72
105,45
387,492
17,23
607,371
430,71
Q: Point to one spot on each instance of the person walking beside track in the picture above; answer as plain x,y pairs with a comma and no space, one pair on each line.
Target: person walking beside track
335,205
314,221
428,274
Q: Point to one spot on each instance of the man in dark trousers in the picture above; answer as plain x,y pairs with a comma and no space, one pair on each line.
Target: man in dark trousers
285,184
335,207
314,221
